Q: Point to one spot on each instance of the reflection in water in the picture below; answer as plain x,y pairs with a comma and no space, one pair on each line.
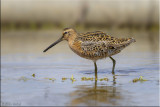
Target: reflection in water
114,79
97,95
21,59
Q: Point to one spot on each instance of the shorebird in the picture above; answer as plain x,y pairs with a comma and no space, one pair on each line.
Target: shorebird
93,45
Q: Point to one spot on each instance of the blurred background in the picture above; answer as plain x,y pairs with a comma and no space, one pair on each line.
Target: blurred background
30,26
43,20
40,14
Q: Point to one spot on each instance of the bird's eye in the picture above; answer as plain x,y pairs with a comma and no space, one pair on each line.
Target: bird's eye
65,33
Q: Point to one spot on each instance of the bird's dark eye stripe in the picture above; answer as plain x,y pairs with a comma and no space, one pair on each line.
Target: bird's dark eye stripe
65,32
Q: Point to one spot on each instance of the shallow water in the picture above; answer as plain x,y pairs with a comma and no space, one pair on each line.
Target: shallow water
23,57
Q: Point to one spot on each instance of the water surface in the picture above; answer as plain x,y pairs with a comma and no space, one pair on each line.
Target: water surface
22,57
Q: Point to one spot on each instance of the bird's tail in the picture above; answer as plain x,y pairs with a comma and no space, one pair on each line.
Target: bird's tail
126,41
120,44
132,40
123,42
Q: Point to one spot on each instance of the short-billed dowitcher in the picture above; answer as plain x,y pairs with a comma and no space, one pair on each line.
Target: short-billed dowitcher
93,45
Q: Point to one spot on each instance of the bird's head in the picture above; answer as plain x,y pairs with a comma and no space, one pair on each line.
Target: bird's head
68,33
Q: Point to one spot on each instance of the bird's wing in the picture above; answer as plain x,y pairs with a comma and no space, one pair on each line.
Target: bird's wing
100,46
95,36
94,48
100,43
95,42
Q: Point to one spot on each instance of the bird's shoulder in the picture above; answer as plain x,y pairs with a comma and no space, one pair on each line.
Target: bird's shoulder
95,36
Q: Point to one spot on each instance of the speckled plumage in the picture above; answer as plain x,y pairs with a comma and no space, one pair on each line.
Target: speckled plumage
93,45
97,45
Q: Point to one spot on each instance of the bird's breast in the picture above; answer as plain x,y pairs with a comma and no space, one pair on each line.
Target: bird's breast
76,47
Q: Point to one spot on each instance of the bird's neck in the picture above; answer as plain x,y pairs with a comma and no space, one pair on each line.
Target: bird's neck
72,38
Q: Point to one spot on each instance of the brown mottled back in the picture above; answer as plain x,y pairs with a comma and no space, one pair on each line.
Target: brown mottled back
98,45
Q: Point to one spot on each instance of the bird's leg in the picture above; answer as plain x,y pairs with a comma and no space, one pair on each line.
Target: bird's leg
114,63
95,65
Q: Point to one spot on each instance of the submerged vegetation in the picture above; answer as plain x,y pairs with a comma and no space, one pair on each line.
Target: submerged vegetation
91,79
86,79
72,79
52,79
23,79
33,75
63,79
139,79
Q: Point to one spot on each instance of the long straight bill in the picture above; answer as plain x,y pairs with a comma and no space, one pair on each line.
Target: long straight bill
59,40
